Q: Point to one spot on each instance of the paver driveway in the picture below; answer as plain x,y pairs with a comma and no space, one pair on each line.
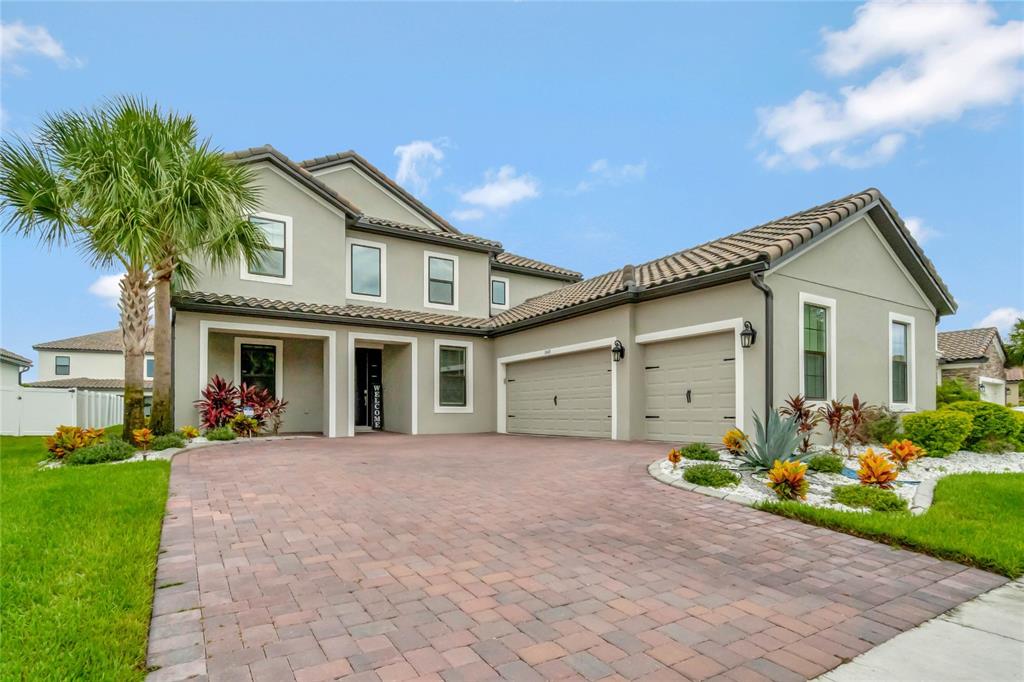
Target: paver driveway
475,557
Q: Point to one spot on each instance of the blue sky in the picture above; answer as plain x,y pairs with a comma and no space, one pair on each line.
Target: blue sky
588,135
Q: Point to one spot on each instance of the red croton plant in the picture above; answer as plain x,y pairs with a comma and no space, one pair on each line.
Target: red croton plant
222,400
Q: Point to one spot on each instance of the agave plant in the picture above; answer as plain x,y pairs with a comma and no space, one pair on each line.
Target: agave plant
776,439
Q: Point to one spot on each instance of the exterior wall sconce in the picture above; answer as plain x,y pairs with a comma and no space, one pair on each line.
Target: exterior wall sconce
618,352
748,335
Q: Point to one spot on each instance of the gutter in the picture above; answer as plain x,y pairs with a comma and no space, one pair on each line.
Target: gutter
419,236
757,279
572,279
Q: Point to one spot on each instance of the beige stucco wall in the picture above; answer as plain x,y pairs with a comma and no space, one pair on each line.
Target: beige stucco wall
89,364
369,196
522,286
8,375
855,269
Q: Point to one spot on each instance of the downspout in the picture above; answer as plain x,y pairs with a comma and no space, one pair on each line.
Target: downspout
174,319
757,279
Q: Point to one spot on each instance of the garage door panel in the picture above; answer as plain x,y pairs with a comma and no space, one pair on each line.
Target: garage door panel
704,366
581,382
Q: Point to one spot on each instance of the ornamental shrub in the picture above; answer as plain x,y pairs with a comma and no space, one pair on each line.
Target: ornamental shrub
710,475
939,432
111,451
699,451
167,441
826,464
991,423
954,390
876,470
869,497
883,426
788,481
221,433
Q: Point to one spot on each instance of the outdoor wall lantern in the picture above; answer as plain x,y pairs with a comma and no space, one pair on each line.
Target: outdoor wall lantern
618,352
748,335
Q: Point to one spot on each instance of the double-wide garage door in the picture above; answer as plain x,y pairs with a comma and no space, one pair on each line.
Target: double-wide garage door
691,388
563,395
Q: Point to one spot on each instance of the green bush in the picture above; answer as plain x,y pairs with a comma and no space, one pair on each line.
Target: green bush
940,432
167,441
954,390
992,423
111,451
882,426
826,464
711,475
868,496
699,451
220,433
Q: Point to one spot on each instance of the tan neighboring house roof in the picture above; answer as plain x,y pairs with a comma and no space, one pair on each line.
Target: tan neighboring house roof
84,382
13,358
109,341
511,261
967,344
1015,373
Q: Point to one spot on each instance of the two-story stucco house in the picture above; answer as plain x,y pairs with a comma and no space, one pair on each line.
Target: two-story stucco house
93,362
373,312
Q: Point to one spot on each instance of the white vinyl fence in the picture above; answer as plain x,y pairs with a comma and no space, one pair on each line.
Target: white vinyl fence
39,411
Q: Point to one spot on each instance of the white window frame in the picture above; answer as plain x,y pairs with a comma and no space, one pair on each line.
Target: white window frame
349,242
145,366
508,290
453,409
911,364
55,372
831,388
278,345
427,255
289,251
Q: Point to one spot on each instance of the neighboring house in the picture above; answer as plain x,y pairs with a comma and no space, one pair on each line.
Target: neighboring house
12,366
372,311
93,362
977,357
1014,375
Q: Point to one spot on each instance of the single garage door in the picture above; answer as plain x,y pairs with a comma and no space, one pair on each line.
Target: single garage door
563,395
691,388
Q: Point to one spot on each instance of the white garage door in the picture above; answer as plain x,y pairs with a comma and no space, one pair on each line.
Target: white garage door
564,395
691,388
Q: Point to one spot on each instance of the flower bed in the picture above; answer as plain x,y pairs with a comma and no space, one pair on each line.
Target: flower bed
913,485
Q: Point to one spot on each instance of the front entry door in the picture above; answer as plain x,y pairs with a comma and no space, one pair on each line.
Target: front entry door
369,396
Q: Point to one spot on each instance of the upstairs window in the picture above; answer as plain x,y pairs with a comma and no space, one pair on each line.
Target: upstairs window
365,270
62,365
499,292
271,263
815,331
150,367
441,280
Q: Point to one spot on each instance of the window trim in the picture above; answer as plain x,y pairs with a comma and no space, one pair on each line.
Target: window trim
831,334
145,367
57,373
453,409
490,293
908,406
349,242
427,255
289,250
278,345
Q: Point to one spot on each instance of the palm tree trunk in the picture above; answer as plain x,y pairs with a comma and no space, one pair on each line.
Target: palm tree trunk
160,418
135,331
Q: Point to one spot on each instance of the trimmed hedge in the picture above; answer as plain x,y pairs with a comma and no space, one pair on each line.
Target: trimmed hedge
111,451
220,433
167,441
993,424
940,432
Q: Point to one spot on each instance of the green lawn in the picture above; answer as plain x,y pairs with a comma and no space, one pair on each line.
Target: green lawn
78,549
976,519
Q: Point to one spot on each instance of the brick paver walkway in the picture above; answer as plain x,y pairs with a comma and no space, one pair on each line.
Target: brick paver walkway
389,557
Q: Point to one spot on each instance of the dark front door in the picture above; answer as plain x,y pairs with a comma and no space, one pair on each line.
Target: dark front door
369,389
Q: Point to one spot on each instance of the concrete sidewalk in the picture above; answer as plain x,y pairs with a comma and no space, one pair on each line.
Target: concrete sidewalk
982,639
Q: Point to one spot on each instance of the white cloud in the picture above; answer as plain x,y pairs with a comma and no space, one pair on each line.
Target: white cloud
501,189
950,59
468,214
17,40
918,230
601,172
419,163
1002,319
108,287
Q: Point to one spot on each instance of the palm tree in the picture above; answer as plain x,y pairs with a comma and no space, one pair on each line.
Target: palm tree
129,185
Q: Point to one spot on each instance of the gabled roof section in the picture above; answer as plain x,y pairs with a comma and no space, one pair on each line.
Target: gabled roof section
968,344
303,176
1015,373
350,156
13,358
110,341
387,226
513,262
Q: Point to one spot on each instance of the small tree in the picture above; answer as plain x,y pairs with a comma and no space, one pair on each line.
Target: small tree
1015,344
